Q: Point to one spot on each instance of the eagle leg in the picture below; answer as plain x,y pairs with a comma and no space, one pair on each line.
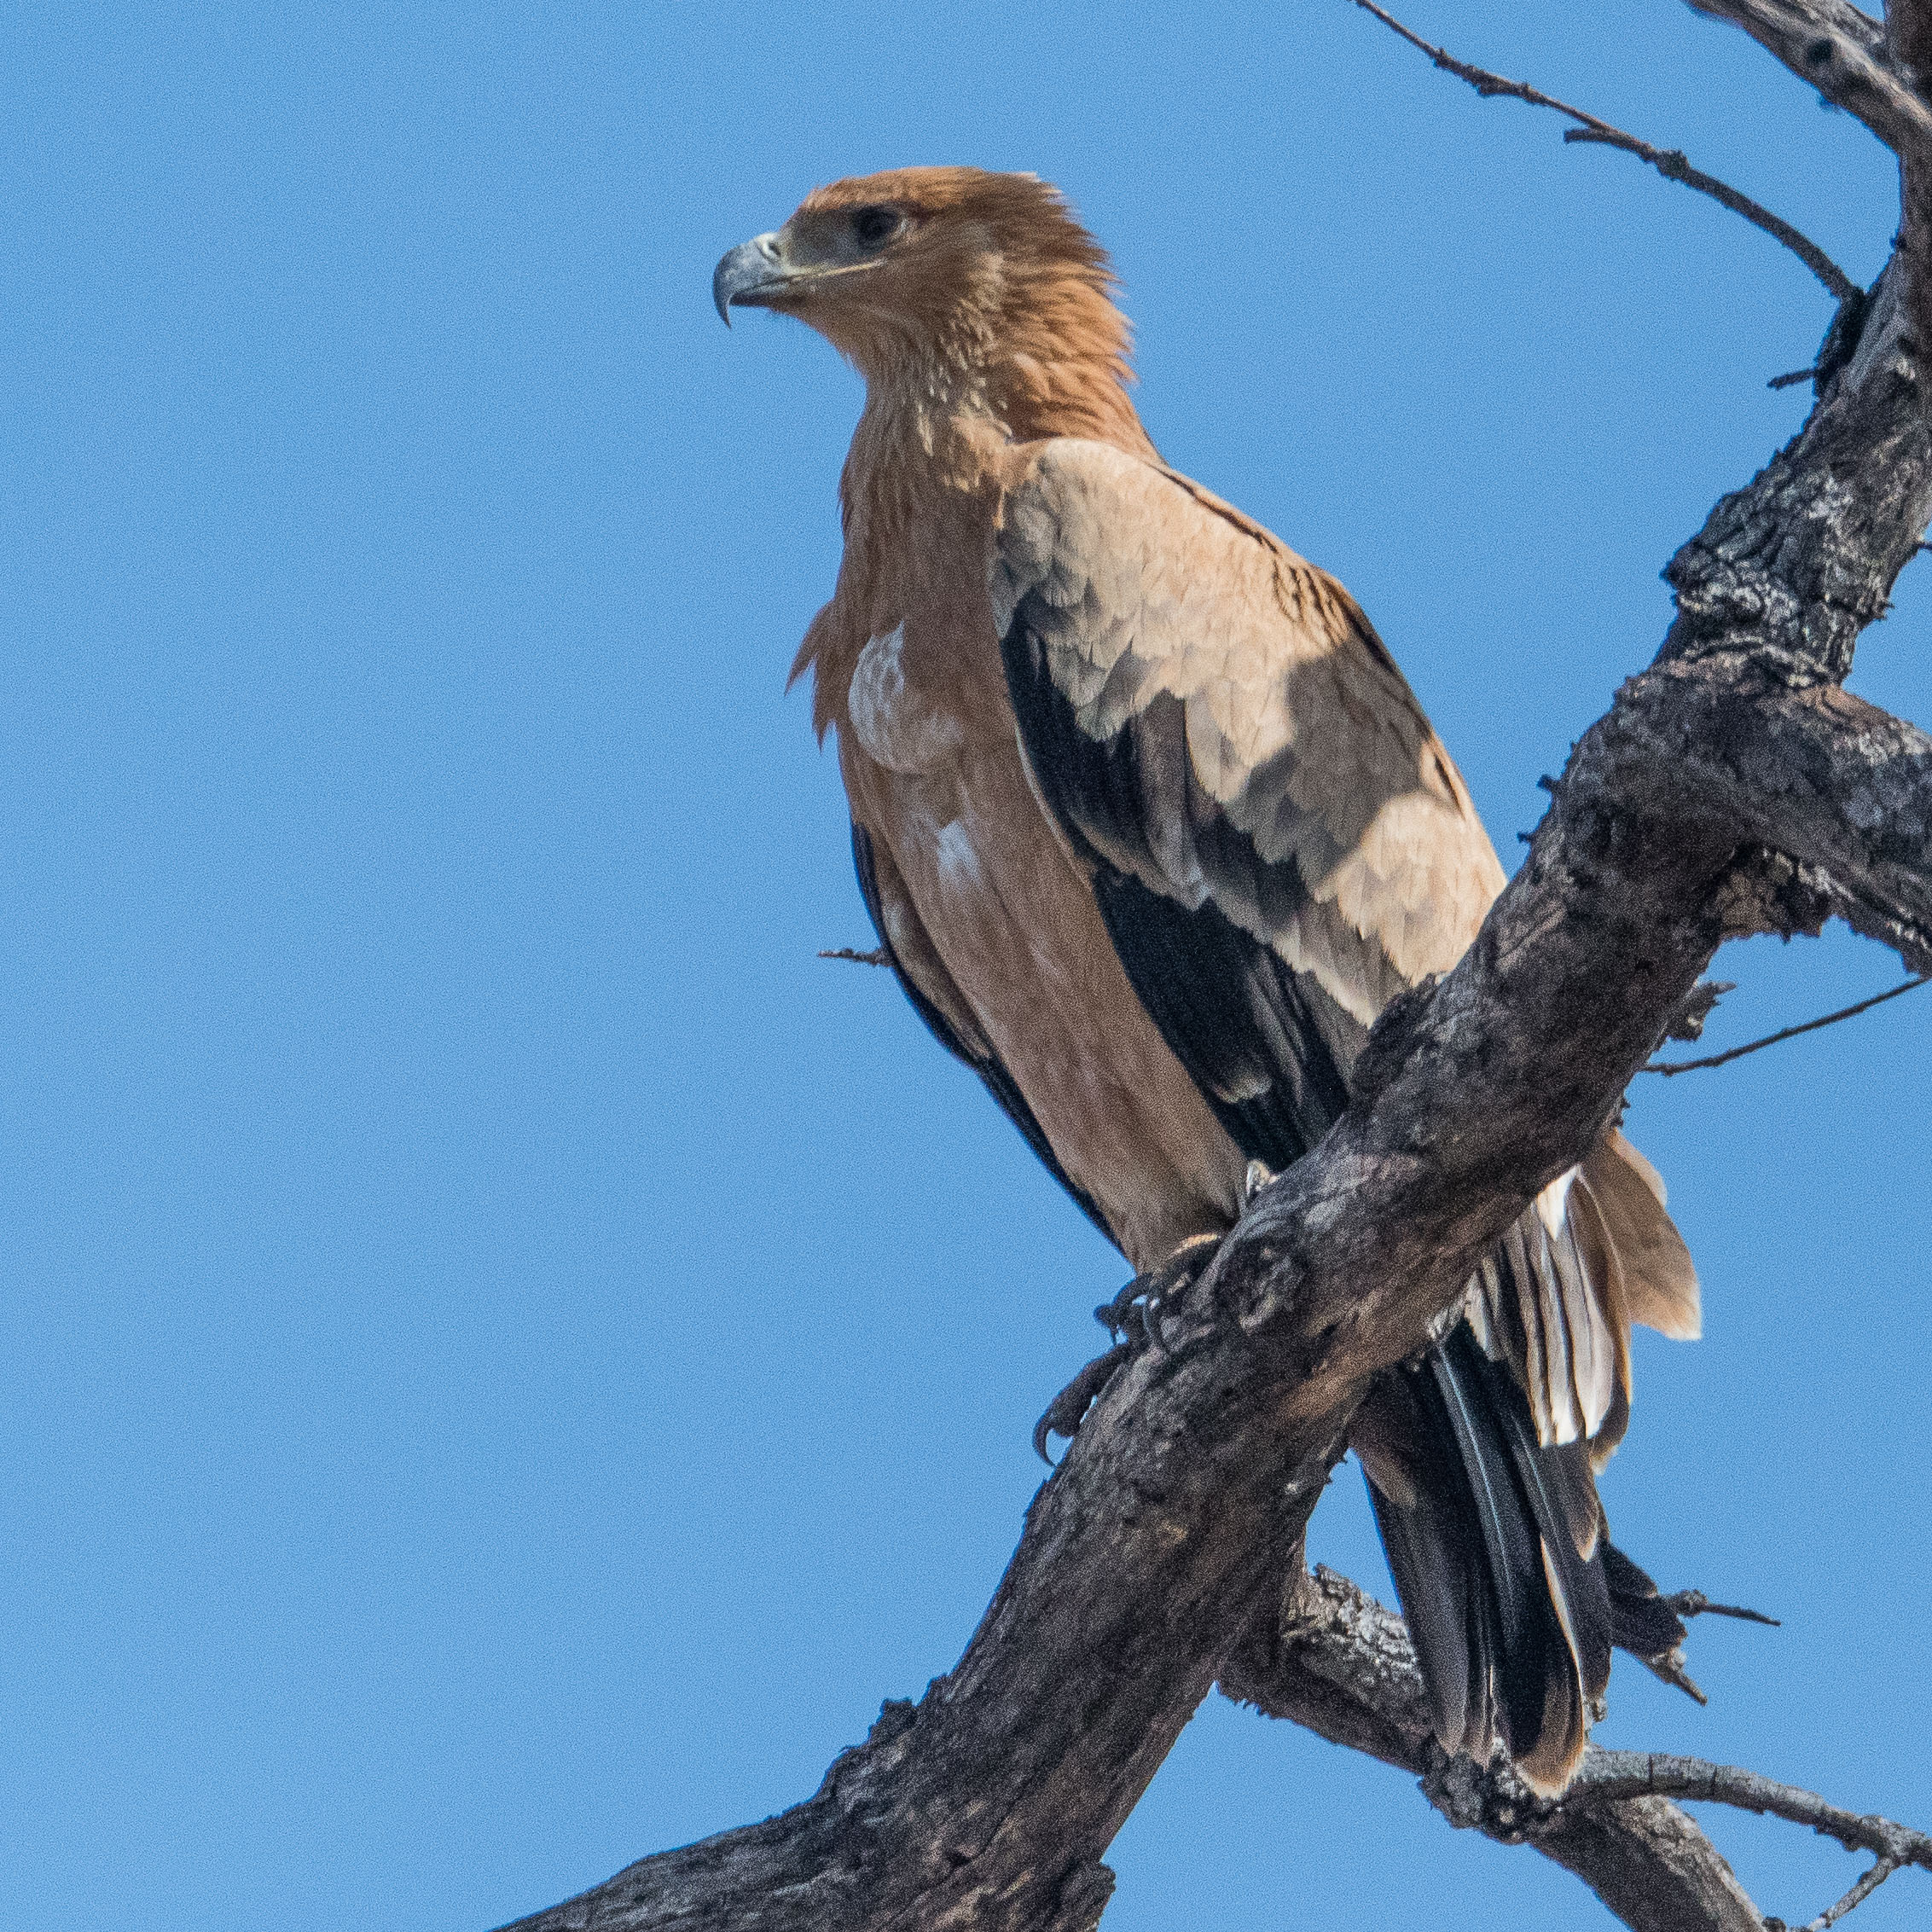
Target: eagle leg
1134,1318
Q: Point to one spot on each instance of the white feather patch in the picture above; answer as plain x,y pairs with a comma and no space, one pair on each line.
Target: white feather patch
959,864
889,719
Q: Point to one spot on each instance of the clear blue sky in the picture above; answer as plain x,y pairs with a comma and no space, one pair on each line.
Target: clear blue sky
508,1358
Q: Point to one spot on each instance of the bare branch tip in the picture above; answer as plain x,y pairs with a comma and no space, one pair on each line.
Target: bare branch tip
1695,1602
1669,1067
1881,1870
1670,162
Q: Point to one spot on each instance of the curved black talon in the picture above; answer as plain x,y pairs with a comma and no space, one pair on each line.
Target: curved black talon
1064,1413
1135,1313
1134,1319
1119,1316
1126,1317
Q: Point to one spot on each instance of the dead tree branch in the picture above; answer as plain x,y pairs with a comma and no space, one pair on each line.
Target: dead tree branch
1670,162
1341,1665
1732,788
1843,53
1669,1067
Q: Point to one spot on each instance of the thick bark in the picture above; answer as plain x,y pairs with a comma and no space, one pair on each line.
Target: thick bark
1843,53
1343,1667
1732,788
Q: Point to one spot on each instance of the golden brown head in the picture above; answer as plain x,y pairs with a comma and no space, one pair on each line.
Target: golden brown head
978,289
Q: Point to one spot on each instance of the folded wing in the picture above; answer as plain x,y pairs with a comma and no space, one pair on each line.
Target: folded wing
1277,845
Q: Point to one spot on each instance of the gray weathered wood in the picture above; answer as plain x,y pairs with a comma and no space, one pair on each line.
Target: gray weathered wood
1342,1666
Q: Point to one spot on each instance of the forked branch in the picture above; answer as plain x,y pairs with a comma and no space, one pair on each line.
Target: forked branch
1843,53
1340,1664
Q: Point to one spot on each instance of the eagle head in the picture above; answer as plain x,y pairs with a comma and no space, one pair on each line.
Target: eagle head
921,272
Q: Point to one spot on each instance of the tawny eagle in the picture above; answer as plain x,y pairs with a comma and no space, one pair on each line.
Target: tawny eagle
1151,828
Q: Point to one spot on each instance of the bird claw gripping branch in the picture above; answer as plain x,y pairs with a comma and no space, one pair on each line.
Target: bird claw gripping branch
1134,1318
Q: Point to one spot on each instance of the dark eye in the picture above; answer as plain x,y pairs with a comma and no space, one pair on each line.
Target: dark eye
874,225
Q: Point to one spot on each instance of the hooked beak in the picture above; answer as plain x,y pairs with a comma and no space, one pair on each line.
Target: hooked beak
751,275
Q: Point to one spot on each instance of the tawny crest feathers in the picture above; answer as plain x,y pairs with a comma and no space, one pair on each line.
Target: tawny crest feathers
990,296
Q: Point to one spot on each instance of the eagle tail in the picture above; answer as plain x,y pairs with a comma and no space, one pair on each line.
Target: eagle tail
1513,1595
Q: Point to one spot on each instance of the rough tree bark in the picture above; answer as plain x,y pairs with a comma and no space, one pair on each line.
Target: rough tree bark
1732,788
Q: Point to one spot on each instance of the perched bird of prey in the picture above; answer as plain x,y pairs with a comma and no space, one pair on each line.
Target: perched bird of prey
1151,827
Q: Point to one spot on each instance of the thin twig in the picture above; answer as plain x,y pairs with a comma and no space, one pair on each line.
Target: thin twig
1858,1894
1695,1602
877,956
1669,1067
1669,162
1637,1774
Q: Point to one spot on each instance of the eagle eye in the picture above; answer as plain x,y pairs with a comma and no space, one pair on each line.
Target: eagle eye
874,225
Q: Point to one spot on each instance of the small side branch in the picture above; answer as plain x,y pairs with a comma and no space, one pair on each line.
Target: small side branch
1616,1776
1670,162
1608,1776
1668,1067
1858,1894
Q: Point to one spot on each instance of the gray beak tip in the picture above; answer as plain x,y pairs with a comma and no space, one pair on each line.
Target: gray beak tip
748,272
